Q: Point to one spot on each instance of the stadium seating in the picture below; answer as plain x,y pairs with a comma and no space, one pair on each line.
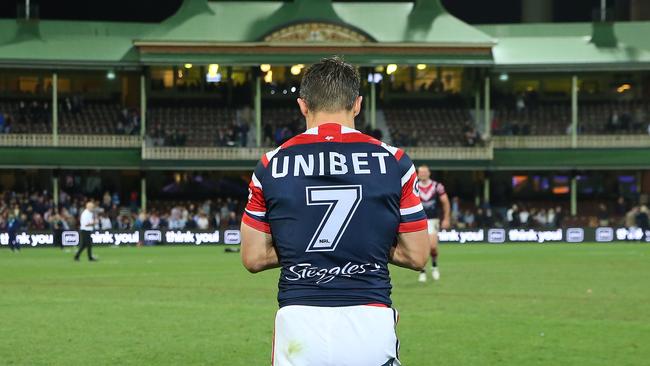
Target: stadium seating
555,119
427,126
94,118
201,125
27,117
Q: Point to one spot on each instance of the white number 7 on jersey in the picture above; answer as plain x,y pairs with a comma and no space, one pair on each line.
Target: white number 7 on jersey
342,201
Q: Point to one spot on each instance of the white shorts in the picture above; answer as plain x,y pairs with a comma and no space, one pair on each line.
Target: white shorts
335,336
433,225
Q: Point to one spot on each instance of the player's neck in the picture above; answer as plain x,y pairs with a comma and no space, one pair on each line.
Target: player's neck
426,182
342,118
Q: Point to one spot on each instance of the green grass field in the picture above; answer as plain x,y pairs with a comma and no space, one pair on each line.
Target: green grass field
495,305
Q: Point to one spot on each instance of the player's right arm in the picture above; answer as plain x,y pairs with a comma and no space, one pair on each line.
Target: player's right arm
412,248
257,250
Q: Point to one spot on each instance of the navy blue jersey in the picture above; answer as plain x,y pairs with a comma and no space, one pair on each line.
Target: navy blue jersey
430,193
334,201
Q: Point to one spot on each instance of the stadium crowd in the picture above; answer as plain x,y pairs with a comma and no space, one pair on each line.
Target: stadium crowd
36,211
529,215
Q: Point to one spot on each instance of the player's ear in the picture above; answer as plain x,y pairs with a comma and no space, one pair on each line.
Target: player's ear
356,107
303,107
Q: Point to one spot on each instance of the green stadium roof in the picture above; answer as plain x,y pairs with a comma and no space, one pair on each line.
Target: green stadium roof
570,46
245,32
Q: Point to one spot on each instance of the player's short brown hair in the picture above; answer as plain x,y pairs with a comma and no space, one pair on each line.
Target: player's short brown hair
331,85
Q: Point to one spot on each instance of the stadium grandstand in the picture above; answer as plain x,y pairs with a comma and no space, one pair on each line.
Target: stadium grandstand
533,126
515,103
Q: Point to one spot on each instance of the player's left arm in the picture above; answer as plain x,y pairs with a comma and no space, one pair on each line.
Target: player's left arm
446,212
411,251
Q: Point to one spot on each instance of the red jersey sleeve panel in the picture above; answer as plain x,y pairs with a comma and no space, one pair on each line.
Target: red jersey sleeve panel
255,212
412,216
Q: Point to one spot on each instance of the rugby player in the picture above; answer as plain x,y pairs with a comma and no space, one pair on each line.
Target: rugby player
433,196
332,207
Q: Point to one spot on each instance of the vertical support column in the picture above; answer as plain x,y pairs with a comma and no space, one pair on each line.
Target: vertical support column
258,110
55,190
574,111
373,106
486,189
366,100
143,105
574,195
55,109
487,112
477,107
143,193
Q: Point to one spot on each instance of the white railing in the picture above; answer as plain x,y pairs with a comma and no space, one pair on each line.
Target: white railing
47,140
563,141
203,153
450,153
609,141
112,141
26,140
225,153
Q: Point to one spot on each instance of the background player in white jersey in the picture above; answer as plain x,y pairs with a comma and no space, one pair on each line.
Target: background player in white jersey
433,195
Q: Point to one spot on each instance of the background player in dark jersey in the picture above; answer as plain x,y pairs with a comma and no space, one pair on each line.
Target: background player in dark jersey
332,207
433,196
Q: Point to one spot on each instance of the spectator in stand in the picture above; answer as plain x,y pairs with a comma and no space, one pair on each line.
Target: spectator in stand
141,221
614,122
4,218
469,218
105,222
38,223
639,119
13,225
520,103
202,222
153,222
472,136
524,215
133,200
642,219
512,216
541,218
603,215
8,124
3,119
631,217
176,222
232,220
455,210
125,223
559,217
550,218
106,200
480,218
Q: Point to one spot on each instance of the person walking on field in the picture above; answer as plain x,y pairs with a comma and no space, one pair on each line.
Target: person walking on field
87,223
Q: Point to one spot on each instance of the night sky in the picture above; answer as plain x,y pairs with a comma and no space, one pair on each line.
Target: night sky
471,11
